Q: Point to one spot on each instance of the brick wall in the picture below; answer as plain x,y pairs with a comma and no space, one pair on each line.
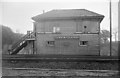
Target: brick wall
68,46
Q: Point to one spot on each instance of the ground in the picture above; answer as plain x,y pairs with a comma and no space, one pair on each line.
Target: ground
67,65
58,72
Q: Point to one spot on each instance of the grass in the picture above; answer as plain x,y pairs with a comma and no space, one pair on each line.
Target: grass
64,65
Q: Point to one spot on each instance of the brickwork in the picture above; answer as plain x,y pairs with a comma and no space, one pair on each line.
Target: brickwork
69,26
68,45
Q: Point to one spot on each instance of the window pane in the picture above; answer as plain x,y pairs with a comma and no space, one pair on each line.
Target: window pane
50,43
83,43
56,29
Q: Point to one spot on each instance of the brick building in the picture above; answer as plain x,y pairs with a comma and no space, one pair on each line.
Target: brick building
68,32
62,32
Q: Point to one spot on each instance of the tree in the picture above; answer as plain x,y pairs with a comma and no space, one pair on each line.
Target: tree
115,34
8,36
105,35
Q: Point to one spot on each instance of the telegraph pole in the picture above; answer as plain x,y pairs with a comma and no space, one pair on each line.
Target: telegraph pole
118,28
110,30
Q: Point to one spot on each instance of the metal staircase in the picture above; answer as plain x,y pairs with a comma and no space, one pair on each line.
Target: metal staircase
19,45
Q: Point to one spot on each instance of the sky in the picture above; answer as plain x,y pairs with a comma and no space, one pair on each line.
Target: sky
17,14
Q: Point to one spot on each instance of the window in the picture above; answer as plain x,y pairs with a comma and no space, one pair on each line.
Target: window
85,26
56,29
50,43
83,43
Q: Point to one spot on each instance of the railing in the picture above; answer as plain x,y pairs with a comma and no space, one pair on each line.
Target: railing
30,34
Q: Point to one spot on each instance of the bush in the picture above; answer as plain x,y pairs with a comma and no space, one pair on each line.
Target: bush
8,38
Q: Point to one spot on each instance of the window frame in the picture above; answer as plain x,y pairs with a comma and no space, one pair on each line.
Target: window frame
83,44
50,43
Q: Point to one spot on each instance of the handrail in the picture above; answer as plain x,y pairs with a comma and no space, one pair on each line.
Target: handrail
18,42
16,50
30,35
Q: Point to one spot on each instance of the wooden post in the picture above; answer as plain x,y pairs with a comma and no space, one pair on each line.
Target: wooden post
33,47
35,34
110,30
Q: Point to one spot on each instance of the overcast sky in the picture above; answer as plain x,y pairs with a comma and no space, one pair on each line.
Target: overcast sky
17,15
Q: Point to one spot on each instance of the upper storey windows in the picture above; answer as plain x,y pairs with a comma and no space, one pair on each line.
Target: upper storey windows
56,29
